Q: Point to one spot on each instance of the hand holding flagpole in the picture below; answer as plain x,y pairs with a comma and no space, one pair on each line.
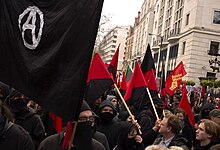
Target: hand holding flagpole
126,106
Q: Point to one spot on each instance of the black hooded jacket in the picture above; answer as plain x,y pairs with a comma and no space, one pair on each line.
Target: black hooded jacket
109,128
124,143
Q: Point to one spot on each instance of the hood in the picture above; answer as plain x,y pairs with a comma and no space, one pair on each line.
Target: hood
208,105
107,103
123,134
110,97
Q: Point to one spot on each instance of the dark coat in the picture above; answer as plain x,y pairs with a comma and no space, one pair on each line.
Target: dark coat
100,137
187,133
178,140
124,143
110,128
54,142
207,147
32,123
146,120
15,138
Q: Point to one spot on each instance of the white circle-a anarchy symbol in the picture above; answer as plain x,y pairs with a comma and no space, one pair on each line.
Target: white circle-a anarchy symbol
30,25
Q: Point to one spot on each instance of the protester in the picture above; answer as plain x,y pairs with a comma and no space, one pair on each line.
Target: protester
175,103
98,135
107,124
83,136
95,105
25,117
12,136
169,128
217,102
215,115
128,138
206,108
186,130
208,134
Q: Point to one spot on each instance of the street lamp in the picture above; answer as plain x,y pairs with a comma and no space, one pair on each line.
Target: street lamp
158,58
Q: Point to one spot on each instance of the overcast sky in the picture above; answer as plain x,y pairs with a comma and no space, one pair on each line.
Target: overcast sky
123,12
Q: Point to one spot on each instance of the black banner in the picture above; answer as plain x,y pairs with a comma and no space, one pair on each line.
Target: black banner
46,48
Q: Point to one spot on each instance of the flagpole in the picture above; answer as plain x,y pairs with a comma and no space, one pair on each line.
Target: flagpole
73,135
126,106
152,103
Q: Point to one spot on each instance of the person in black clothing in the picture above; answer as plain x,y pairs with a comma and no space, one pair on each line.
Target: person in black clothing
12,136
83,136
26,117
187,130
208,133
128,138
107,124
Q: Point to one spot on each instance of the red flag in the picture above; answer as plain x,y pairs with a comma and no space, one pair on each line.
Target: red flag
57,122
123,86
184,104
98,81
175,79
112,68
123,82
136,87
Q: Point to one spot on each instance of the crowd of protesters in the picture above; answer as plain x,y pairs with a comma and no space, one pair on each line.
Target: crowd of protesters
107,125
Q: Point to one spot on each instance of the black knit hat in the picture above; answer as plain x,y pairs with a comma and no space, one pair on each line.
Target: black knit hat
84,106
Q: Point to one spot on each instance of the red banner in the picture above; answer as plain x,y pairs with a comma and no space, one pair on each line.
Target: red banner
175,79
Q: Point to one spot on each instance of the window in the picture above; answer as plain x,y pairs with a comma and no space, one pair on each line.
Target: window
210,74
115,36
163,54
114,41
187,19
216,18
173,51
214,46
155,57
184,46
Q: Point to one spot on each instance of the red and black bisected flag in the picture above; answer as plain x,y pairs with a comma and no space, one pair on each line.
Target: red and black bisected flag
99,80
136,87
112,68
148,63
148,70
46,48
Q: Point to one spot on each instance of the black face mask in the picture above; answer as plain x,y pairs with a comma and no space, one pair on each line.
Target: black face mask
106,116
83,135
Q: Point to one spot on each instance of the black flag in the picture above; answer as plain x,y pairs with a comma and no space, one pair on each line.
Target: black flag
46,48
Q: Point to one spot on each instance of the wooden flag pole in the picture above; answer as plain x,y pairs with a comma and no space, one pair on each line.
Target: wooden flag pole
126,106
73,135
152,103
